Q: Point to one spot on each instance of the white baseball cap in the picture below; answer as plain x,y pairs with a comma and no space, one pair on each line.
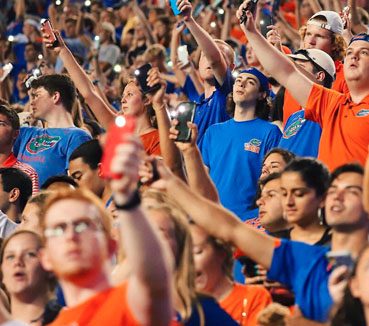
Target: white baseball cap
317,57
333,21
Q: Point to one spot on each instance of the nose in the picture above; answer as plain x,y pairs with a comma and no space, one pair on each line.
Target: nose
290,200
260,201
18,261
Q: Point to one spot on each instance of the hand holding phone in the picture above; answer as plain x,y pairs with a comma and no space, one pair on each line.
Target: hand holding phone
141,75
251,6
48,29
7,68
340,258
175,9
118,132
183,55
185,112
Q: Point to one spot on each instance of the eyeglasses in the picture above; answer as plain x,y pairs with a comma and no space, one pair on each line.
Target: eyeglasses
80,226
360,37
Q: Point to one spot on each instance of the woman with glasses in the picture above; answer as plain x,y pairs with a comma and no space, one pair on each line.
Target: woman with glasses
27,283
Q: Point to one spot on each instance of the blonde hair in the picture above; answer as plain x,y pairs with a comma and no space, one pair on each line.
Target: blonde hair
226,50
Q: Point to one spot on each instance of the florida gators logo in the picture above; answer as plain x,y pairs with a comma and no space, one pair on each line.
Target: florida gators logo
41,143
293,128
253,146
363,113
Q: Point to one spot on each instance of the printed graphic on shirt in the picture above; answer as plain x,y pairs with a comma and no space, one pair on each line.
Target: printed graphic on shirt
293,128
253,146
363,113
41,143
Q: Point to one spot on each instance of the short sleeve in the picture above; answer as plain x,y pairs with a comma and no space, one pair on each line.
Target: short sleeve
227,86
190,90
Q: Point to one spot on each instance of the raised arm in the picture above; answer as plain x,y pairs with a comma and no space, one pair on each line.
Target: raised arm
277,64
205,42
218,221
197,175
149,283
174,44
101,110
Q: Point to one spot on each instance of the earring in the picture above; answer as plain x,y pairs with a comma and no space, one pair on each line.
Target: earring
320,216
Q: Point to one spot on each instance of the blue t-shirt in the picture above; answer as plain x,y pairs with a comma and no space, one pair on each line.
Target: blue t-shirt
212,110
301,136
304,269
190,90
233,151
47,150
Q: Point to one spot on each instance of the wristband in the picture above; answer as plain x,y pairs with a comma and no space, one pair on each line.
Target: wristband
131,204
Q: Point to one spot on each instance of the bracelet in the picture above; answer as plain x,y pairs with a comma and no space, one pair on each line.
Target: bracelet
131,204
95,82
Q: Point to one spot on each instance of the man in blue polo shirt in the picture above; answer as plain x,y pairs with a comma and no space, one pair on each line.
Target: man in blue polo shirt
302,267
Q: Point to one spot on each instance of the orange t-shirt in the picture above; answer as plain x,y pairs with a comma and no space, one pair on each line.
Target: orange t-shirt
245,302
290,105
151,142
109,307
345,126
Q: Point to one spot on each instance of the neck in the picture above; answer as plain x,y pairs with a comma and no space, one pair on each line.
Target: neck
59,118
277,226
359,92
76,292
222,288
310,233
209,89
28,308
4,155
244,111
143,125
352,241
13,213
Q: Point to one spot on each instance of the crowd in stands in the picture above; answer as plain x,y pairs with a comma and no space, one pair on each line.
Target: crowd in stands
119,207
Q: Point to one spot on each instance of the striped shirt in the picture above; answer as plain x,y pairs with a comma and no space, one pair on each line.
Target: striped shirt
12,162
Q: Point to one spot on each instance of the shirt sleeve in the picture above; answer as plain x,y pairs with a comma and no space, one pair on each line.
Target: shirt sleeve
205,144
190,90
274,138
228,82
321,103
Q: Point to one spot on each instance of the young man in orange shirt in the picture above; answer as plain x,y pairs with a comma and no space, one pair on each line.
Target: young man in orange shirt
344,118
78,249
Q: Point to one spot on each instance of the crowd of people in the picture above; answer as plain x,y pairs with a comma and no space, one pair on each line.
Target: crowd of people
119,207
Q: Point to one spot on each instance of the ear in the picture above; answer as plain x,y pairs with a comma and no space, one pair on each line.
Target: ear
56,97
14,195
99,172
320,76
262,95
354,287
45,260
146,100
112,247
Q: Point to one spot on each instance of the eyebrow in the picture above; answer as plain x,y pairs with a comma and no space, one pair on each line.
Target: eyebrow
360,48
348,187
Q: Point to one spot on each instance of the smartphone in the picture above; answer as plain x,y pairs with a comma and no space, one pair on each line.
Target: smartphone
118,132
46,25
7,68
96,43
339,258
141,76
198,9
216,4
185,112
251,6
36,73
183,54
173,5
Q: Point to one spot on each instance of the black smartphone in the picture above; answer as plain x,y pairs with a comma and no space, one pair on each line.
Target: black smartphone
185,112
339,258
141,76
46,25
251,6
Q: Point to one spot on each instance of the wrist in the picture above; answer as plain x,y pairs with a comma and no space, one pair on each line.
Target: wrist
133,202
159,106
190,151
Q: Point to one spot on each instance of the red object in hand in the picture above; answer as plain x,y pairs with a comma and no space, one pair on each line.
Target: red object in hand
118,132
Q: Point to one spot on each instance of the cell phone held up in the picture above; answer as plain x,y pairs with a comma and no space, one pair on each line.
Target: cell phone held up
251,6
141,75
341,258
46,25
175,9
185,112
123,127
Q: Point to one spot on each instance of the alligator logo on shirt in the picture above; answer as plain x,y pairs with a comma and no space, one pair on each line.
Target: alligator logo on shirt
363,113
42,143
253,146
293,128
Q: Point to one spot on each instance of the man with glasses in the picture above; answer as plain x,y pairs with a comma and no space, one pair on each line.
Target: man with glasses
344,118
79,248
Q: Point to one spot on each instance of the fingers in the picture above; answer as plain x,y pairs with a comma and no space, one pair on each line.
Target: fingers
173,132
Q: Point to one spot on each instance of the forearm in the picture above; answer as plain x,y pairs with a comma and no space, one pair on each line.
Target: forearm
148,259
196,81
169,151
197,175
86,88
227,24
315,6
222,224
